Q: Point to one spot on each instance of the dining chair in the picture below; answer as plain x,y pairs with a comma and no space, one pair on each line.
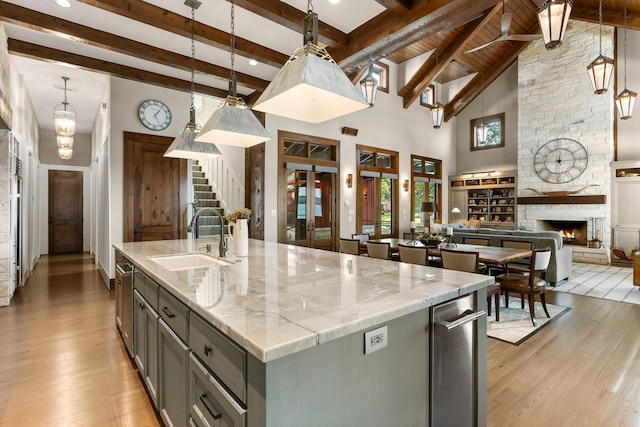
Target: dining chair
350,246
469,261
522,264
475,241
363,237
413,254
379,250
528,284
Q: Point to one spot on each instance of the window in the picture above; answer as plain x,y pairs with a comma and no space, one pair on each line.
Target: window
495,137
426,185
428,96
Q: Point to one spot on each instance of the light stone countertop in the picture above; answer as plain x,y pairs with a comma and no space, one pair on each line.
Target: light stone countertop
282,298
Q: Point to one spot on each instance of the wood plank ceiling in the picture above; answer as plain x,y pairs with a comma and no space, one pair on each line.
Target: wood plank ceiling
405,29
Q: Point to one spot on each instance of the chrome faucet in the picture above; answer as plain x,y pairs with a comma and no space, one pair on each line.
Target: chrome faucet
222,247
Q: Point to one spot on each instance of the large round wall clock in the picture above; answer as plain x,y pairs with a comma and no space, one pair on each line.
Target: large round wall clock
155,115
560,160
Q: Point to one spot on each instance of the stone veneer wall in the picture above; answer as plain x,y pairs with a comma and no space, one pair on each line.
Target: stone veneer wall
556,100
6,290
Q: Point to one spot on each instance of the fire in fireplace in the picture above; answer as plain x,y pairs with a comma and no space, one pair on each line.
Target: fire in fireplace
573,232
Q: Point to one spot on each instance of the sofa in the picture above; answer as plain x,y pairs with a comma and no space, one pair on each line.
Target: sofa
560,264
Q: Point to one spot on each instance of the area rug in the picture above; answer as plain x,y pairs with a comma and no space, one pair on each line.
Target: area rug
515,324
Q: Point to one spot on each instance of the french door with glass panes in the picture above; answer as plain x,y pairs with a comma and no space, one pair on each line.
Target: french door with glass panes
376,206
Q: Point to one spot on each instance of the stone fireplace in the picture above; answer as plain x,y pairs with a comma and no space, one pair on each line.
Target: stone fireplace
556,100
573,232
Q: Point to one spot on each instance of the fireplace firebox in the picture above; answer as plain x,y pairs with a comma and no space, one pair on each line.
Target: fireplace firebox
573,232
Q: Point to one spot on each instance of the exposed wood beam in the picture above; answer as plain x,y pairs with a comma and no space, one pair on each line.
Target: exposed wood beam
389,31
399,6
34,51
31,19
475,86
429,69
291,18
161,18
609,17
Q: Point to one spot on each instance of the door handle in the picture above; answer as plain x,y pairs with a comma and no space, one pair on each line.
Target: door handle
137,232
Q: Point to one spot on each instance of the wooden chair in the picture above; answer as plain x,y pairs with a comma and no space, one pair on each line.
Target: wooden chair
363,237
350,246
528,284
413,254
468,261
379,250
522,264
475,241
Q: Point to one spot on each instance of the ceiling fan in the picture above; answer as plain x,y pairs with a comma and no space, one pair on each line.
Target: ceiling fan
505,24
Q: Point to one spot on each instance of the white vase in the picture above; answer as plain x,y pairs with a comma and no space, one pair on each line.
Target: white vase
240,232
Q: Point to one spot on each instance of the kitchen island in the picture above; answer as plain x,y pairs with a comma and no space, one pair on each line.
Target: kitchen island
277,338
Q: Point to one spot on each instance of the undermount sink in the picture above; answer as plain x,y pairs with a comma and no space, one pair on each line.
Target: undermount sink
186,261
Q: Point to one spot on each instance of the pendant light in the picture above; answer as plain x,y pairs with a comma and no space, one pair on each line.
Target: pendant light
233,123
310,86
553,16
437,109
64,141
185,146
64,116
627,99
481,128
65,153
369,87
601,69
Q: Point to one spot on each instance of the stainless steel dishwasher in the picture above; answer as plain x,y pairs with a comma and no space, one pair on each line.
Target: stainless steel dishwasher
124,301
453,361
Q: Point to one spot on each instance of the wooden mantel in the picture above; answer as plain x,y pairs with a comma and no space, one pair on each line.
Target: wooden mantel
596,199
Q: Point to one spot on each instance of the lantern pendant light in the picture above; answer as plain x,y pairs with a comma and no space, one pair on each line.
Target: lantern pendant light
369,87
601,69
185,146
65,153
437,109
310,86
64,116
627,99
553,16
481,128
233,123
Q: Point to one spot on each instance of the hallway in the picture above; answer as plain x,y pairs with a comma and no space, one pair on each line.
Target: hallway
63,363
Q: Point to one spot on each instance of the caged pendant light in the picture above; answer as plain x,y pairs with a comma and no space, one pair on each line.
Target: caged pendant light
185,146
233,123
553,16
369,87
64,116
310,86
437,109
601,69
627,99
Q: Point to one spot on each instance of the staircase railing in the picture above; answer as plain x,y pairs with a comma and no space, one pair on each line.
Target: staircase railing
224,182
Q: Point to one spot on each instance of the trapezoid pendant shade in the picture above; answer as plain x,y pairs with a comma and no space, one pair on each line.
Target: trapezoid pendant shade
553,17
64,141
185,146
482,132
600,72
232,123
625,103
64,120
437,114
311,88
65,153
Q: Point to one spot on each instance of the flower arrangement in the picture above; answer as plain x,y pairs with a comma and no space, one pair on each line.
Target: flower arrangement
243,213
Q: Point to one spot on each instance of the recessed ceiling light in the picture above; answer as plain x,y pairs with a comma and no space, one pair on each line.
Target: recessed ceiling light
63,3
253,62
334,1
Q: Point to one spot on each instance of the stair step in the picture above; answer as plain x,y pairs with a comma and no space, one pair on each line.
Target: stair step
197,168
202,188
195,174
208,220
200,181
203,203
210,230
205,195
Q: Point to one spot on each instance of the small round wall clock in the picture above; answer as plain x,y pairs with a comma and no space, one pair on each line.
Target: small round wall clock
560,160
154,115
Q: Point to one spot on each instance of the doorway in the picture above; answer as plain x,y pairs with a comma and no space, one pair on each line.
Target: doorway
65,212
155,190
308,193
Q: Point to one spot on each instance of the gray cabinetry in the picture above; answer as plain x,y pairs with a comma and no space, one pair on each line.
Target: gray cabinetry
145,343
173,362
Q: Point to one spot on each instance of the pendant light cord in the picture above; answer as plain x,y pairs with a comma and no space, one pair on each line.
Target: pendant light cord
65,103
482,87
232,81
193,57
625,44
600,20
309,6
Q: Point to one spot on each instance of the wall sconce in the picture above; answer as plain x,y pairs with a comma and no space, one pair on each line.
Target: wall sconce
366,194
349,180
405,185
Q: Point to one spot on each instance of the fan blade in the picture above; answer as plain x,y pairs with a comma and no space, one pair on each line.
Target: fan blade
482,46
523,37
505,23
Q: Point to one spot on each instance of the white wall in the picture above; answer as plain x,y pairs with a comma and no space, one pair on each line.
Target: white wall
628,130
386,125
49,149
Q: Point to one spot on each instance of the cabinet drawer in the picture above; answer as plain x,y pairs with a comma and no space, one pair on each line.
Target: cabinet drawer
209,402
174,313
151,289
225,358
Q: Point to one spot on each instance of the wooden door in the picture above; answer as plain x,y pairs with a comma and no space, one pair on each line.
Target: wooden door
154,190
65,212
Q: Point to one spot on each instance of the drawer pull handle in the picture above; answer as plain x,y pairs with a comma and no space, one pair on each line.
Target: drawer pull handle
206,405
166,311
207,350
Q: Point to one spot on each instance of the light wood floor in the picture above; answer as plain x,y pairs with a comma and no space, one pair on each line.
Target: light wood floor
62,362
